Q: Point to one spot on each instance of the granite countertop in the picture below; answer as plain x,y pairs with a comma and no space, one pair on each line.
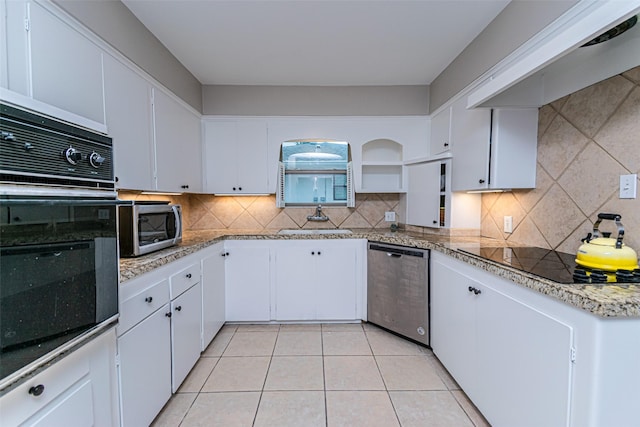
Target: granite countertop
609,300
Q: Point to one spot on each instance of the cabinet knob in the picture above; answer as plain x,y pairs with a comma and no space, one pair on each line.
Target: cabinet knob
168,314
435,222
184,186
179,308
446,144
234,188
470,288
313,253
224,254
239,188
188,275
37,390
477,291
319,253
481,181
148,299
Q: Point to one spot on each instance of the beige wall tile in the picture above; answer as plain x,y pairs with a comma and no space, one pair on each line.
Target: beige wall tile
559,146
556,216
589,108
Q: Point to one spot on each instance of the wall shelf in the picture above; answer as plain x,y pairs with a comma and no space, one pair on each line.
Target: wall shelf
382,167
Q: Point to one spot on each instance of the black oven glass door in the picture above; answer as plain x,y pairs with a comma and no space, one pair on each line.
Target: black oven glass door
156,227
59,274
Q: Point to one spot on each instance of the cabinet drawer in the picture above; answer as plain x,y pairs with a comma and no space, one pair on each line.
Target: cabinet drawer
59,382
142,304
184,279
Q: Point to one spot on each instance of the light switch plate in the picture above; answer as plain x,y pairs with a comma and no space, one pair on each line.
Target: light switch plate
390,216
628,186
508,224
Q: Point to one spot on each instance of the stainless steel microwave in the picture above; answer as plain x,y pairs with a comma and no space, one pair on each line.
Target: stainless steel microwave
148,226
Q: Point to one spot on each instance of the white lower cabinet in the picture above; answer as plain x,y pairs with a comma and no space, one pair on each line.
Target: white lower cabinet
75,391
145,368
316,280
248,281
186,321
510,358
159,336
213,293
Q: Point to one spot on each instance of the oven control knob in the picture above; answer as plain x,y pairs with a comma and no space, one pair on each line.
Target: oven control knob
96,160
72,155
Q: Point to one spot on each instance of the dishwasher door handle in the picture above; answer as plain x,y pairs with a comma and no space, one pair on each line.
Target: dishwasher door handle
394,255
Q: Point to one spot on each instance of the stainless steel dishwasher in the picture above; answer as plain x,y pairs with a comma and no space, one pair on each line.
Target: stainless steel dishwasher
398,289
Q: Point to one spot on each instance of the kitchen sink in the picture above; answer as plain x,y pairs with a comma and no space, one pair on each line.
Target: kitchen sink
316,231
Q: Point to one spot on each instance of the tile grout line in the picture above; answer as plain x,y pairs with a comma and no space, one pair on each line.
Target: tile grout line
255,416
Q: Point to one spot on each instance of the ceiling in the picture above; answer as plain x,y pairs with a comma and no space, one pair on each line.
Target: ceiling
315,42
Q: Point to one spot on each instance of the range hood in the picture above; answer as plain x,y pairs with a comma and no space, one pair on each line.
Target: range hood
560,61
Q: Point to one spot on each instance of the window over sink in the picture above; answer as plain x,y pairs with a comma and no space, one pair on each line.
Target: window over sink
315,172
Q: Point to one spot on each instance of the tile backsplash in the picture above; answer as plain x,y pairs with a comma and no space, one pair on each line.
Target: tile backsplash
586,140
259,213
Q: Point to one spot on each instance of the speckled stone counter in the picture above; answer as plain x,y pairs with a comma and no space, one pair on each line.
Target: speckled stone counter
619,300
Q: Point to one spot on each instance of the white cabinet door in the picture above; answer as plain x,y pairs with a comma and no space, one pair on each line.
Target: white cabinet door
236,157
247,277
440,137
186,321
511,359
213,311
295,283
66,68
493,149
470,136
145,369
178,145
524,363
128,113
14,53
423,195
316,280
336,281
453,326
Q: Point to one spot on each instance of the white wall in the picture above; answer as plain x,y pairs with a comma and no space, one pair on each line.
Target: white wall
315,101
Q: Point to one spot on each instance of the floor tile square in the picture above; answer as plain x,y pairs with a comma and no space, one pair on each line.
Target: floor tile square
345,343
352,373
198,375
470,409
218,345
291,409
251,344
238,374
299,343
360,408
384,343
295,373
409,373
428,409
222,410
175,410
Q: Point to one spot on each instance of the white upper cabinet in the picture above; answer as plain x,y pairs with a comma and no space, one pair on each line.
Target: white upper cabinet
235,154
440,137
66,67
178,146
128,111
423,195
493,149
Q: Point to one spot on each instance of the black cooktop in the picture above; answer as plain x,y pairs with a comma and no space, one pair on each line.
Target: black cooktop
553,265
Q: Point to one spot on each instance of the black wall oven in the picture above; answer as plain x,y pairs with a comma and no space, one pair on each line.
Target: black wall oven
58,240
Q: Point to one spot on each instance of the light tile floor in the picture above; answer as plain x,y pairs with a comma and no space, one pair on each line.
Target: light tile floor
330,375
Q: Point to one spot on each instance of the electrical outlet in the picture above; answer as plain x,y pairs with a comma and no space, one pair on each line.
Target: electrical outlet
628,184
390,216
508,224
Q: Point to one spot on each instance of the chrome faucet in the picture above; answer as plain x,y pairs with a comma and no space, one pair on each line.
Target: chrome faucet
318,216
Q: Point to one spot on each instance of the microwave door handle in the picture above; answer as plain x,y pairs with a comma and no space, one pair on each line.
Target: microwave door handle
176,215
